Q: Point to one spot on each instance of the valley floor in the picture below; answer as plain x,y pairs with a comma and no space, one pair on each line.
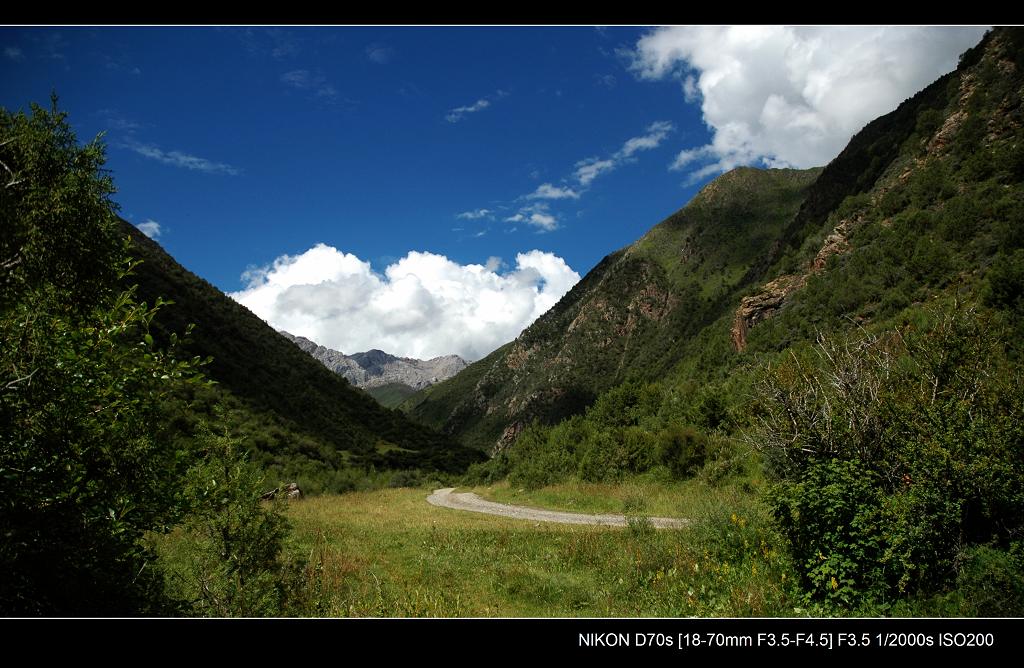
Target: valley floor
388,553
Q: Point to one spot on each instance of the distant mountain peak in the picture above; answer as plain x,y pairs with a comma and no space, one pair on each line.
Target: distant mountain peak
376,368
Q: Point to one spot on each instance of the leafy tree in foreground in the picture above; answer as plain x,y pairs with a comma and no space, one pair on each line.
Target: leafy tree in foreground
83,471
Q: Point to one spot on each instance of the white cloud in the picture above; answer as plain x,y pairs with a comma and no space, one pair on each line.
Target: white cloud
544,221
538,215
548,191
305,80
783,96
179,159
656,133
424,305
115,121
150,228
14,53
457,114
589,169
51,45
274,42
475,215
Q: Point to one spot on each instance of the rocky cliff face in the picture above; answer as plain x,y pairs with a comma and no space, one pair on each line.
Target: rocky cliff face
376,368
772,296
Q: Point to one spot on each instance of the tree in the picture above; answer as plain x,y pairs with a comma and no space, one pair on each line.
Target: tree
84,472
235,563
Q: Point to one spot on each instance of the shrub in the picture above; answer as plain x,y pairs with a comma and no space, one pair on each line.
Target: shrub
234,562
895,454
681,449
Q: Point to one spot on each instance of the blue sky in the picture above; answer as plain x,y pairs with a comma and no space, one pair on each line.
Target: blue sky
466,171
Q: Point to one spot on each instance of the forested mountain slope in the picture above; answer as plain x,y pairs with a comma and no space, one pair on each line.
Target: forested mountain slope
301,418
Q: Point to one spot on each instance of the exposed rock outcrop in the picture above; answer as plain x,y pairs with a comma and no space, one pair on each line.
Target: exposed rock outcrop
376,368
772,296
763,305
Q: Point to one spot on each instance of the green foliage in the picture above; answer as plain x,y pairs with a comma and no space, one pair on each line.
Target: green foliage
539,459
58,226
235,563
682,450
631,318
897,455
832,518
1004,287
391,395
626,405
625,432
990,581
301,419
84,471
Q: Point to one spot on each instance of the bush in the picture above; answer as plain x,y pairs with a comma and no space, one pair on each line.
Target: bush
406,479
832,518
681,449
895,454
990,581
234,563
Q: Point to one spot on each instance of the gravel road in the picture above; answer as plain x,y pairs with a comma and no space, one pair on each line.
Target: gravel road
447,498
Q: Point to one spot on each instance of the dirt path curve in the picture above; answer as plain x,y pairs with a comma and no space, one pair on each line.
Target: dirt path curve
446,498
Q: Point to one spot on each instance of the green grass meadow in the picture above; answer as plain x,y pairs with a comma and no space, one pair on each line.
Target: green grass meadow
388,553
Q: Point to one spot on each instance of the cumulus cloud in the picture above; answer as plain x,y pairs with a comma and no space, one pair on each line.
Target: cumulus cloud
150,228
548,191
793,97
180,159
14,53
457,114
423,305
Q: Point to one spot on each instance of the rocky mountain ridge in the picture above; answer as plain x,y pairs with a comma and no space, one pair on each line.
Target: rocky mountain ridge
376,368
